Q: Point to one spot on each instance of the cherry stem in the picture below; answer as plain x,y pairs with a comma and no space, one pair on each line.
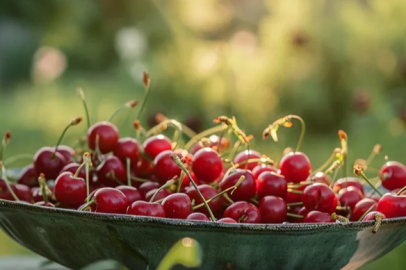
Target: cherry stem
97,150
147,86
234,150
255,201
334,216
325,164
128,105
252,160
180,181
76,175
203,134
163,125
375,151
138,179
4,176
378,222
294,191
228,198
73,122
43,186
366,212
186,130
401,191
82,97
294,215
4,143
128,167
15,158
295,204
362,174
178,162
87,205
166,185
88,162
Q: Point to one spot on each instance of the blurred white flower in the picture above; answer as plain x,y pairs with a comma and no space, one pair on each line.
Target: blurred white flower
49,63
130,43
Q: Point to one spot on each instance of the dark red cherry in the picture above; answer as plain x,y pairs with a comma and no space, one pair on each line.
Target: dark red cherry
319,197
262,168
107,134
156,144
127,148
149,209
163,193
145,187
273,209
347,182
207,165
301,211
109,200
69,190
28,176
246,155
292,197
227,220
243,212
269,183
132,193
207,192
23,193
177,205
317,217
392,206
45,162
371,215
349,197
45,204
73,167
393,175
67,152
295,166
245,191
143,168
165,168
111,172
362,207
5,193
198,216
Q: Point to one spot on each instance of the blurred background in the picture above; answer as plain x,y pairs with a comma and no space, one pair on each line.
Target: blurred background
337,64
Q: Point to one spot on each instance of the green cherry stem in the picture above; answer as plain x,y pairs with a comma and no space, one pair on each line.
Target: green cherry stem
4,176
166,185
15,158
128,168
294,215
4,143
146,81
88,163
82,97
366,212
87,205
362,174
73,122
43,186
128,105
163,126
203,134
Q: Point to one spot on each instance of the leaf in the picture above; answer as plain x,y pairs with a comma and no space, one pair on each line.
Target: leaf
186,252
105,265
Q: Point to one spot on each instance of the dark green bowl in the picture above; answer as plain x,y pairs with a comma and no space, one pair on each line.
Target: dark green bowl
75,239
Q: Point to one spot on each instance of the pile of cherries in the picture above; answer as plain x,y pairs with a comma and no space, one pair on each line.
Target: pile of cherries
206,179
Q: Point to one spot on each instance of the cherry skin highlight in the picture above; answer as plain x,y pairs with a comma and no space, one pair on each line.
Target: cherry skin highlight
392,205
269,183
127,148
198,216
393,175
348,182
295,167
156,144
149,209
107,134
207,165
262,168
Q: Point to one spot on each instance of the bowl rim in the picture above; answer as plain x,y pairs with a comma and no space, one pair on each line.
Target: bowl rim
357,225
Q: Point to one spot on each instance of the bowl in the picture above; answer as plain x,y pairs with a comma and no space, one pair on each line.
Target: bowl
75,239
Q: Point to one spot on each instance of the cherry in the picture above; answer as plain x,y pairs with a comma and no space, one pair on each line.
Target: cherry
392,205
361,207
349,197
320,177
227,220
23,192
127,148
5,193
273,209
145,187
270,183
107,135
67,152
295,166
163,193
109,200
143,168
348,182
46,204
198,216
319,197
73,167
245,156
69,190
28,176
243,212
393,175
371,216
213,143
36,194
177,205
186,181
149,209
262,168
132,193
245,191
292,197
165,169
207,165
48,162
301,211
156,144
207,192
111,172
317,217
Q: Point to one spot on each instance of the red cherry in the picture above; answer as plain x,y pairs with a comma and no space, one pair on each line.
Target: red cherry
361,207
269,183
319,197
156,144
243,212
45,204
273,209
143,168
347,182
36,194
262,168
301,211
163,193
296,197
177,205
45,162
70,191
207,165
28,176
107,134
392,206
67,152
371,215
145,187
227,220
110,167
393,175
149,209
132,193
127,148
186,181
198,216
245,191
246,155
73,167
349,197
207,192
317,217
320,177
23,193
295,166
165,169
110,200
5,194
